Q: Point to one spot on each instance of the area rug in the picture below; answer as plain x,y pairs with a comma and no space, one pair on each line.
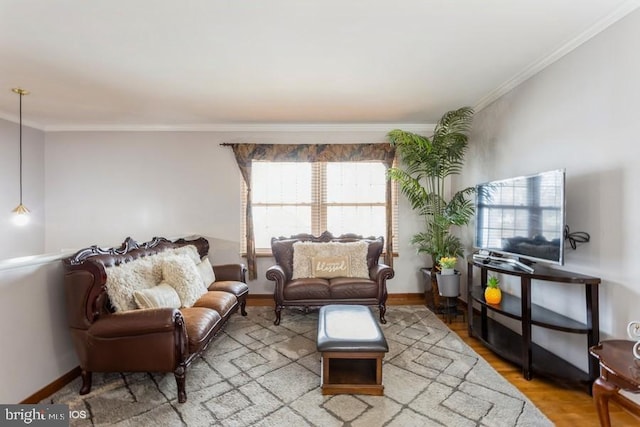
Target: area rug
258,374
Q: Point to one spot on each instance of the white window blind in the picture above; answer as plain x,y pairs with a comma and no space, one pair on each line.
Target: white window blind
298,197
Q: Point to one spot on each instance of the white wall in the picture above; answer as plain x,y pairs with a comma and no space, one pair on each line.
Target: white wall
18,241
32,318
37,347
580,114
104,186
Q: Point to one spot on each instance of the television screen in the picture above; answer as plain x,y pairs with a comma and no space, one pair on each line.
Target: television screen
523,217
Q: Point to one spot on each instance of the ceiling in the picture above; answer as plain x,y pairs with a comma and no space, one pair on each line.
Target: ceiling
243,64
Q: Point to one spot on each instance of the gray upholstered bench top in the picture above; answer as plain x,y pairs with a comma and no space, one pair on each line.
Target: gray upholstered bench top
349,328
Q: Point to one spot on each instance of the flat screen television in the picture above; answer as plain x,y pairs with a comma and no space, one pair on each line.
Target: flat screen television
522,217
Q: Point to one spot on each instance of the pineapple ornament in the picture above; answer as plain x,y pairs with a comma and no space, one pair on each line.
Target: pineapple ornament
492,293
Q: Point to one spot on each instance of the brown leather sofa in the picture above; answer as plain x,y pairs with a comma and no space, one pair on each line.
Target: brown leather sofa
309,292
144,340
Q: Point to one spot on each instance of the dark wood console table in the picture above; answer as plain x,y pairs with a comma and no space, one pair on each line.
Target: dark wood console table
619,370
518,348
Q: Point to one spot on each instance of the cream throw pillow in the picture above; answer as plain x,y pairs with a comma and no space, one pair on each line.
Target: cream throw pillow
188,250
125,279
159,296
142,273
304,252
206,272
181,273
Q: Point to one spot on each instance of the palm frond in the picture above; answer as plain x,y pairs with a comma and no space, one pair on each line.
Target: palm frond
454,122
410,187
460,208
426,162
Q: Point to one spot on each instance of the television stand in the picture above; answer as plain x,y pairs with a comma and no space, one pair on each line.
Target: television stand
488,259
518,347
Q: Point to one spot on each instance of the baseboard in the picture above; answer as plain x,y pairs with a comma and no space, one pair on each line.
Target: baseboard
406,299
260,300
266,300
48,390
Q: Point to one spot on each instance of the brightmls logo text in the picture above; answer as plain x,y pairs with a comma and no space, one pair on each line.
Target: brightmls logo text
36,415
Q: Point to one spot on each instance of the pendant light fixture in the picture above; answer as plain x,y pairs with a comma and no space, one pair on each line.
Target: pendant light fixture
20,213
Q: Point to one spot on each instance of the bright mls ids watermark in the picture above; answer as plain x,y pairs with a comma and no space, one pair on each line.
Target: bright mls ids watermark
38,415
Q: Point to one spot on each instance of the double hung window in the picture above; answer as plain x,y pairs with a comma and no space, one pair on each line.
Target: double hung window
310,197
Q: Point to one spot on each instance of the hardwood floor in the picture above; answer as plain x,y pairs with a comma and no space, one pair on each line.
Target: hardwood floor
565,407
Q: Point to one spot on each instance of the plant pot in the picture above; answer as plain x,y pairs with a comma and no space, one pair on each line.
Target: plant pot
447,271
448,284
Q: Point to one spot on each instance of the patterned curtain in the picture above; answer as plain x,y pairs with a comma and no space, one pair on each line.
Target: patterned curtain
246,153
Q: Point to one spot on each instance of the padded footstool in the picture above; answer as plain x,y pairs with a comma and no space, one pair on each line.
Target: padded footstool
352,347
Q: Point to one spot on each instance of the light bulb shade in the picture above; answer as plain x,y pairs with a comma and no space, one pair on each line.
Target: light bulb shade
20,215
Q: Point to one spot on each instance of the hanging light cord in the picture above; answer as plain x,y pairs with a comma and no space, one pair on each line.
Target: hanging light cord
20,93
21,212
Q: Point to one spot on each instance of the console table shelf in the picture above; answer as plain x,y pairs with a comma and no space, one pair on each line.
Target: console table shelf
519,348
511,306
507,344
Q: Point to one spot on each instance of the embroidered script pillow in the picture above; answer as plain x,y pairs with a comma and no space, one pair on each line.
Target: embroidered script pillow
304,252
328,267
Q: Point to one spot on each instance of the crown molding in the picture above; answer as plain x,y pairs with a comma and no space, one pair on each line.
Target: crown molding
249,127
16,119
619,13
228,127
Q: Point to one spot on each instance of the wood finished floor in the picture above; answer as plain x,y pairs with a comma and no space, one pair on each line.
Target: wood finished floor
565,407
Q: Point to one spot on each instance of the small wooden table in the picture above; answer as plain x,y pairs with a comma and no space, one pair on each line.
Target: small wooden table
619,370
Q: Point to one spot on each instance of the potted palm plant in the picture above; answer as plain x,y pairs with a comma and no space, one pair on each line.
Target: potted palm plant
426,165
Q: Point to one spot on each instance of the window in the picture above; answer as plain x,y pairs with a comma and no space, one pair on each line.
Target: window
301,197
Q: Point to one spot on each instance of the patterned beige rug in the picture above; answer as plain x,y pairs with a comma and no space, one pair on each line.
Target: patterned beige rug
258,374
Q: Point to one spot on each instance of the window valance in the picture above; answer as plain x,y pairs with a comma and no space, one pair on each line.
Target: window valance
245,153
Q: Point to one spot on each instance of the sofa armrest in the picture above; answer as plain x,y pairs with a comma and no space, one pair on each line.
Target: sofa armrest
381,273
276,273
136,323
138,340
151,340
230,272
